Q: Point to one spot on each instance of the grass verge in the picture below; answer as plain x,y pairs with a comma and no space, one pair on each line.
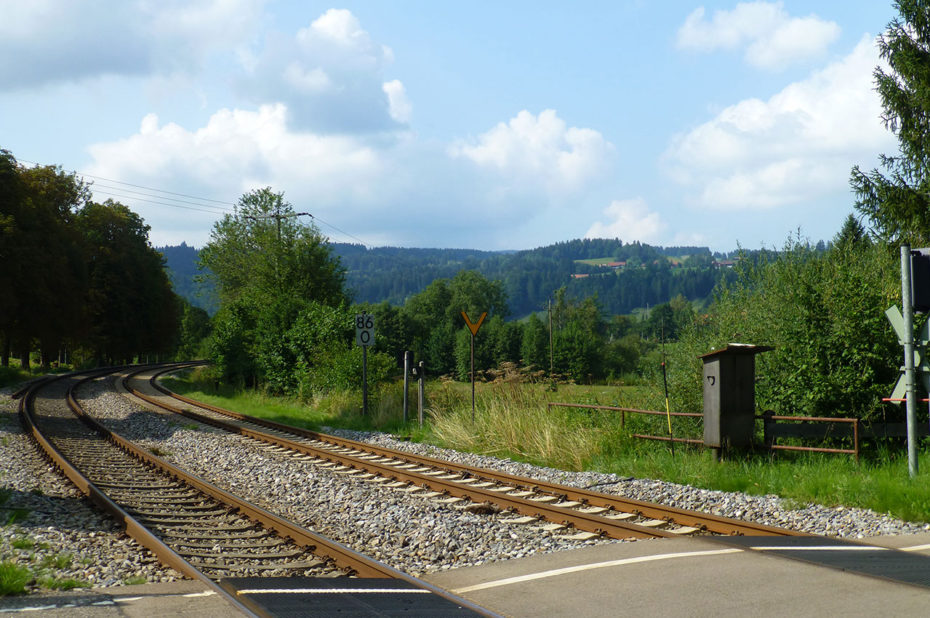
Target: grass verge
13,578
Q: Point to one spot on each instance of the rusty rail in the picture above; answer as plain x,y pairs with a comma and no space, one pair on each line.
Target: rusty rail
592,523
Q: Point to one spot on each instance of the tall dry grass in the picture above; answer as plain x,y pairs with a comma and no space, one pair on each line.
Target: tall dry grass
512,420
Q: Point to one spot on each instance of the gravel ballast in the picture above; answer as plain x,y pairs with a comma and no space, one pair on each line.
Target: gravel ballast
414,534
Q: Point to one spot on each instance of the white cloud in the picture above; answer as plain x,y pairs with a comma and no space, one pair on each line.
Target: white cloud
629,220
253,147
399,105
800,143
48,41
329,75
771,37
539,150
400,190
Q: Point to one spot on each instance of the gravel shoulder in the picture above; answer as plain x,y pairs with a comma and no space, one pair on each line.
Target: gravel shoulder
61,537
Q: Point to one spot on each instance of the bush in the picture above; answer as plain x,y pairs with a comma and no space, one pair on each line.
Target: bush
835,353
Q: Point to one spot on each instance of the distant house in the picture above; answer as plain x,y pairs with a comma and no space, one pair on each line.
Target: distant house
580,275
614,265
724,263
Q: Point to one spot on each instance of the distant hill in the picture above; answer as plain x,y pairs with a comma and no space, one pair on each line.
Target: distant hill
181,264
649,275
622,276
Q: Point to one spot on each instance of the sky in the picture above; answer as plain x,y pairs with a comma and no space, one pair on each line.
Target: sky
482,125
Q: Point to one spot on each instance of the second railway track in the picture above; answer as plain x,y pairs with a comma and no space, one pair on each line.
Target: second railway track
548,505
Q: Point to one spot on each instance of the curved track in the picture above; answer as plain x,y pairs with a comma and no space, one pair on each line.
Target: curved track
192,526
588,512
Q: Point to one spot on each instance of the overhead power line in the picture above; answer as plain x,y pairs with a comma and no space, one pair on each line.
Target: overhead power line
163,197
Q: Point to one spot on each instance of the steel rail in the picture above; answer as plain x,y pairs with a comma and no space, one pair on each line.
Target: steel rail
165,554
345,557
588,522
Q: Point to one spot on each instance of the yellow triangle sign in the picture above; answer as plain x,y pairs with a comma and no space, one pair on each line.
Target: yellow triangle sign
474,327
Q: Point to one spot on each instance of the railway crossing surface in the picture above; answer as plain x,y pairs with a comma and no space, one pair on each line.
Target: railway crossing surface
703,576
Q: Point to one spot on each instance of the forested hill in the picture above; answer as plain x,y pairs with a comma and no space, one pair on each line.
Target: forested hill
623,276
181,263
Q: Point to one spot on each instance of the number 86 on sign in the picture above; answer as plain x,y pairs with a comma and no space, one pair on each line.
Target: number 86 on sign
364,329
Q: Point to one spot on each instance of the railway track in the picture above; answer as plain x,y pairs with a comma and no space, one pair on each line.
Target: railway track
192,526
530,501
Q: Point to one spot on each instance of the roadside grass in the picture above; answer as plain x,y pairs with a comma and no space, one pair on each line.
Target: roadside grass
38,570
67,583
13,578
513,420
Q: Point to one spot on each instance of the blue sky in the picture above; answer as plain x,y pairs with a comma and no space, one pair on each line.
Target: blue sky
489,125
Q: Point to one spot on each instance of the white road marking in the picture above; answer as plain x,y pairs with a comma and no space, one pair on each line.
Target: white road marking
205,593
588,567
916,547
334,591
819,548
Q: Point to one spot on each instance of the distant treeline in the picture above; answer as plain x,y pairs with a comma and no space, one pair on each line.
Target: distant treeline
648,277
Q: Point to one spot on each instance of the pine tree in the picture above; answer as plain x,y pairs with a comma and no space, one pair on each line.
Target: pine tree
898,201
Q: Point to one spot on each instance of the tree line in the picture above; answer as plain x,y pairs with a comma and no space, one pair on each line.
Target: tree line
530,277
80,281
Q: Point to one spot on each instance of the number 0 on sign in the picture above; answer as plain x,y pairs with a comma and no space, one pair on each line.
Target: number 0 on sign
364,329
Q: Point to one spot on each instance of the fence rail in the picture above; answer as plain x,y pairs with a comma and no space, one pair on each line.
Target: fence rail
775,427
623,413
771,432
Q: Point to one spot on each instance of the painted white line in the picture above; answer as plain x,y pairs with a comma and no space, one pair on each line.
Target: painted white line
127,599
916,547
40,608
819,548
333,591
205,593
597,565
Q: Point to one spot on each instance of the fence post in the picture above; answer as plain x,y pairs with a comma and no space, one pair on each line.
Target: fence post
421,376
407,359
768,437
856,439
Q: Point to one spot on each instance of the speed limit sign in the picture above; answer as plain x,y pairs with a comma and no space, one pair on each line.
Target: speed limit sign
364,329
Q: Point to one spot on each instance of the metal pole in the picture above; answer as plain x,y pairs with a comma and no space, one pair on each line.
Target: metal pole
472,379
406,382
421,374
910,381
550,338
364,380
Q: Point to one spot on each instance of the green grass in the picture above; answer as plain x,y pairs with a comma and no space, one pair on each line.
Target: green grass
67,583
512,420
135,580
13,578
341,409
23,543
58,561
